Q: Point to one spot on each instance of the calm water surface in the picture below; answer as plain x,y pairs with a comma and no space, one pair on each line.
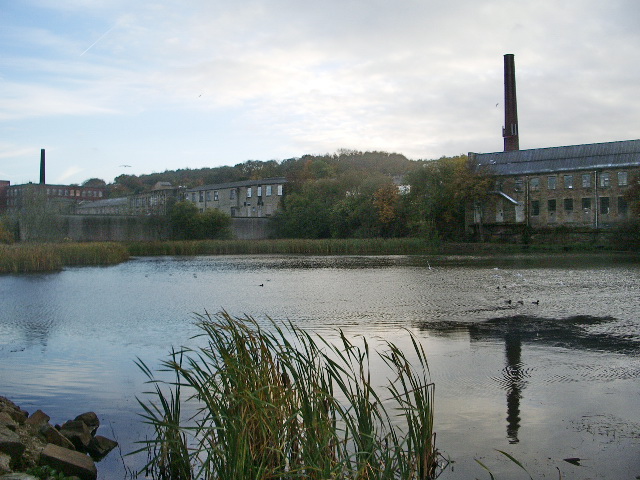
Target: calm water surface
539,357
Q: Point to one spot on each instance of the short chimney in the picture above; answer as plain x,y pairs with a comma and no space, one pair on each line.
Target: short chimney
510,129
42,167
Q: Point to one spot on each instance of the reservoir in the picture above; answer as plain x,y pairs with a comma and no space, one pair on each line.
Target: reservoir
537,356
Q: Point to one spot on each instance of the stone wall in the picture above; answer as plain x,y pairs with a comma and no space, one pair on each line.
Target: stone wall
115,228
250,228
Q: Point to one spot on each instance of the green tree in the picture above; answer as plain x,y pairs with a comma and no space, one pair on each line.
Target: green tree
187,223
440,192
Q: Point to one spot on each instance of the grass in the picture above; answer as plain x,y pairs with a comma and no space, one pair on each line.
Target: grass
279,403
368,246
46,257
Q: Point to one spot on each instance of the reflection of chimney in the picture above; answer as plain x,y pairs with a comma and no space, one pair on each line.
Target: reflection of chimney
510,129
42,182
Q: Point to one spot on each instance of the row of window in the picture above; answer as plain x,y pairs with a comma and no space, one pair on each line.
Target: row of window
568,181
586,205
61,192
206,195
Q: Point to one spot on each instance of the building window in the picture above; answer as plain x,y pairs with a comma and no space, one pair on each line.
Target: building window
535,208
586,180
233,211
208,195
534,183
215,195
260,191
623,207
605,180
201,196
232,194
586,203
551,206
193,197
568,205
568,181
604,205
249,193
517,186
499,185
551,182
280,190
623,179
268,190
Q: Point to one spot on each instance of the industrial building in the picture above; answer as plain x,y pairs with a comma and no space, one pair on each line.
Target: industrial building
580,186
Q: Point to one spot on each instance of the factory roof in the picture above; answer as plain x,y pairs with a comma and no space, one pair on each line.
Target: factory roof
593,156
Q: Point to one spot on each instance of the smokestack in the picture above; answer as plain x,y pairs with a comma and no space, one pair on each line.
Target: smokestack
510,129
42,182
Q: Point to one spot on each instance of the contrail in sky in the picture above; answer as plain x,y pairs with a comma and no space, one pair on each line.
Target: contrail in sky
103,35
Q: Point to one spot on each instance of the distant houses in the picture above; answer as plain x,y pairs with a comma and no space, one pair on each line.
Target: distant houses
572,186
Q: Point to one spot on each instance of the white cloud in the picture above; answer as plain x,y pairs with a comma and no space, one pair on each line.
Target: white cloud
420,78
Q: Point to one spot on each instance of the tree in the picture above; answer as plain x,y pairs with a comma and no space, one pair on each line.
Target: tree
187,223
440,192
94,182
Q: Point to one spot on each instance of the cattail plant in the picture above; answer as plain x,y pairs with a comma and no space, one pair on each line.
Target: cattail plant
276,402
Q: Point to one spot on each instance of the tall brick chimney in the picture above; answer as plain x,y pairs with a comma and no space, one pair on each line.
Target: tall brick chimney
42,167
510,129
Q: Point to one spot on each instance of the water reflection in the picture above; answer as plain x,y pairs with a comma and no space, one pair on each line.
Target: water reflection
580,332
515,383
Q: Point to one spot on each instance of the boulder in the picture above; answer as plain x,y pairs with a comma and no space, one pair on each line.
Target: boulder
78,432
69,462
54,436
90,419
7,421
11,443
37,419
5,463
100,446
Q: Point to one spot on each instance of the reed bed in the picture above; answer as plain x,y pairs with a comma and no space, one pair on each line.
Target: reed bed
369,246
279,403
45,257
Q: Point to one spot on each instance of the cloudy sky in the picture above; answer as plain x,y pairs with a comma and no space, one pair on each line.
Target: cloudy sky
119,86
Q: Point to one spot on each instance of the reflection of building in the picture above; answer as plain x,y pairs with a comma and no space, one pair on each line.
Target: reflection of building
251,198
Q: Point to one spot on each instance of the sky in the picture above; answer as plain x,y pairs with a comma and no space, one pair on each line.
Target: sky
111,87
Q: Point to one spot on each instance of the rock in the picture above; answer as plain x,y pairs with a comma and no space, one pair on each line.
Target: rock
17,476
90,419
13,410
78,432
10,443
5,463
54,436
7,421
69,462
100,446
37,419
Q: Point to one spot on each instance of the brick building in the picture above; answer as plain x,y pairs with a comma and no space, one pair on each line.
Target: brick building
576,186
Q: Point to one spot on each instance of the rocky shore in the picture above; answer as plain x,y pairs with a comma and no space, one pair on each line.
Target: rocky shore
28,441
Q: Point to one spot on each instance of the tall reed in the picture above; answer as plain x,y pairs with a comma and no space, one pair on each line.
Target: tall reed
45,257
351,246
281,403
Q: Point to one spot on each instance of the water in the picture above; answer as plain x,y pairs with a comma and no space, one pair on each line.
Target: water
538,357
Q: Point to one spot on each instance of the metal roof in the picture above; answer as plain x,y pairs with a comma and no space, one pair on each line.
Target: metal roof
575,157
245,183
